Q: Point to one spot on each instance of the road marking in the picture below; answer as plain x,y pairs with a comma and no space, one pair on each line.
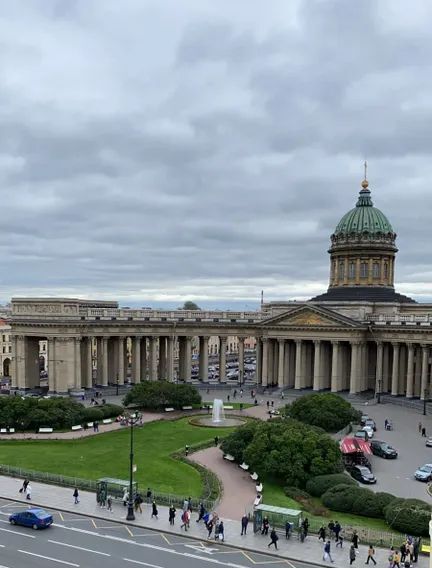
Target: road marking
61,516
49,558
94,524
142,563
79,547
165,538
128,530
201,548
18,533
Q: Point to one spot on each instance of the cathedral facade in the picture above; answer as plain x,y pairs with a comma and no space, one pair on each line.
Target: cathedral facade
359,335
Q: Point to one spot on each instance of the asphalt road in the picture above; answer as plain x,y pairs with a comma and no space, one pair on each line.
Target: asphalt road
78,541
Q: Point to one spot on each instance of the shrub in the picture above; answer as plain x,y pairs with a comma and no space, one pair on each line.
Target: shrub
318,485
290,452
92,414
296,493
111,410
236,443
410,516
156,395
341,497
325,410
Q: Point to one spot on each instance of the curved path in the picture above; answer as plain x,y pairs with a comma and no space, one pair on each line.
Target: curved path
238,488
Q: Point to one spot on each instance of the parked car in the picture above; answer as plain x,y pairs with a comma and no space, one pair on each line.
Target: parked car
34,517
429,442
370,422
424,473
369,431
362,473
363,419
383,450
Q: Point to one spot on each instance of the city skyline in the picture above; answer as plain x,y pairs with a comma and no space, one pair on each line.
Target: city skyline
154,153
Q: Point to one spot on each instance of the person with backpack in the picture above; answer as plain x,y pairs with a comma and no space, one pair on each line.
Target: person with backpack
185,520
154,510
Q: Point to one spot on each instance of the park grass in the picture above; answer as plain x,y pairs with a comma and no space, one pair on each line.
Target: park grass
107,455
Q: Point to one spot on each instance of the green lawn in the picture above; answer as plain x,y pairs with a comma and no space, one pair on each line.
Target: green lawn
108,455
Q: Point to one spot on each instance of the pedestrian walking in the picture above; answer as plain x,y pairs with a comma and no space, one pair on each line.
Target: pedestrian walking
137,502
396,559
265,526
288,530
23,489
273,539
185,520
322,533
337,529
221,531
417,543
411,551
391,557
28,492
171,515
423,432
305,525
403,551
355,541
339,541
326,552
420,427
201,512
154,510
244,524
210,526
352,554
185,504
109,503
149,495
370,555
76,496
331,528
125,497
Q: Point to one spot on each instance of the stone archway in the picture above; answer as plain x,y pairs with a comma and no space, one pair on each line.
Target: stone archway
6,367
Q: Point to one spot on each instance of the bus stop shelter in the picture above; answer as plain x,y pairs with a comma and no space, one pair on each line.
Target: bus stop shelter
277,516
115,487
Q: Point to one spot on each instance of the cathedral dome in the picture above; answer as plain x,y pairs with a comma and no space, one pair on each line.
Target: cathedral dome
364,218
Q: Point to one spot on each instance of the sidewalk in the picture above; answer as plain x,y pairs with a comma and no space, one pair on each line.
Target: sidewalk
60,498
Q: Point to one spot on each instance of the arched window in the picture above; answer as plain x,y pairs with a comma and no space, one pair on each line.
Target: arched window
363,270
341,270
351,270
376,270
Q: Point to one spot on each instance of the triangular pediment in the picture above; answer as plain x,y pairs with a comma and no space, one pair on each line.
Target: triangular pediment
309,316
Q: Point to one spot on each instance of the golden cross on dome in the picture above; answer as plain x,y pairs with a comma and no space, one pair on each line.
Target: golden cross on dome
365,170
365,182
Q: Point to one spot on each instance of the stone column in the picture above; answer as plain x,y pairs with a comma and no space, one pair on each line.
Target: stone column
281,363
241,341
317,378
379,368
89,362
143,364
52,382
410,371
395,370
298,381
203,358
258,355
188,358
354,386
136,359
120,361
14,369
153,359
424,371
78,365
170,358
386,366
104,358
66,364
222,359
335,372
162,357
264,362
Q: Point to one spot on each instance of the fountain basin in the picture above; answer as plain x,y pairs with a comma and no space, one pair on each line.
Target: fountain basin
208,421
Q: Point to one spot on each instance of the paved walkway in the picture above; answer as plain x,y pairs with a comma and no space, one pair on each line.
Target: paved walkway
60,498
238,488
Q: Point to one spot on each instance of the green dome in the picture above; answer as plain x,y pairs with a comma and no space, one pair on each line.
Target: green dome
364,218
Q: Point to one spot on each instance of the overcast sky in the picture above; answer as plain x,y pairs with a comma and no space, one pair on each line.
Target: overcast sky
158,151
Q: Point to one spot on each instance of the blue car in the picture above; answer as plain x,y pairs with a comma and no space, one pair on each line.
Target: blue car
35,518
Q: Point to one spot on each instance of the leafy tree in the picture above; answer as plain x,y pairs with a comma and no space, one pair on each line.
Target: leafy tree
156,395
236,443
189,306
325,410
291,452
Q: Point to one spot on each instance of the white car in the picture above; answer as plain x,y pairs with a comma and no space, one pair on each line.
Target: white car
369,431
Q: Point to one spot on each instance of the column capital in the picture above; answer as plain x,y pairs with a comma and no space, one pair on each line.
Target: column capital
335,342
379,342
298,341
281,340
205,337
355,342
223,338
317,342
264,339
425,346
395,344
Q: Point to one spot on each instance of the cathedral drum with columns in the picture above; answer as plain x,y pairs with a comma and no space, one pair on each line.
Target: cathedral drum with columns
359,335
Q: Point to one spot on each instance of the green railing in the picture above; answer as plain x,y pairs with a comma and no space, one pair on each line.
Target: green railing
89,485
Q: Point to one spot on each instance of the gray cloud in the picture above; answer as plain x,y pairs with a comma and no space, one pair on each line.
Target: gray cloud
153,151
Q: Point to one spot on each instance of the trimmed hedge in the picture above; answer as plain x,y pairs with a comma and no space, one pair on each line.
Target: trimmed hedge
410,516
318,485
342,497
157,395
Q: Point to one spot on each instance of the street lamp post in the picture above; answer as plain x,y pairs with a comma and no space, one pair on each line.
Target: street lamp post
133,419
425,399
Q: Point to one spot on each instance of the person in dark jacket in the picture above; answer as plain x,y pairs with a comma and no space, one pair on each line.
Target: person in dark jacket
244,524
265,526
352,554
273,539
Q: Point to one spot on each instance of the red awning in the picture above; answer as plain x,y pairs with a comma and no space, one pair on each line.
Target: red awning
353,445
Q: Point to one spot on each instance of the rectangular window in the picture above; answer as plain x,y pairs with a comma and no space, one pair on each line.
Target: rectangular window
351,272
363,270
341,271
385,270
376,270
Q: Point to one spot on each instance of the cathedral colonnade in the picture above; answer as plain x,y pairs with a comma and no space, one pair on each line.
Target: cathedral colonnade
353,365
